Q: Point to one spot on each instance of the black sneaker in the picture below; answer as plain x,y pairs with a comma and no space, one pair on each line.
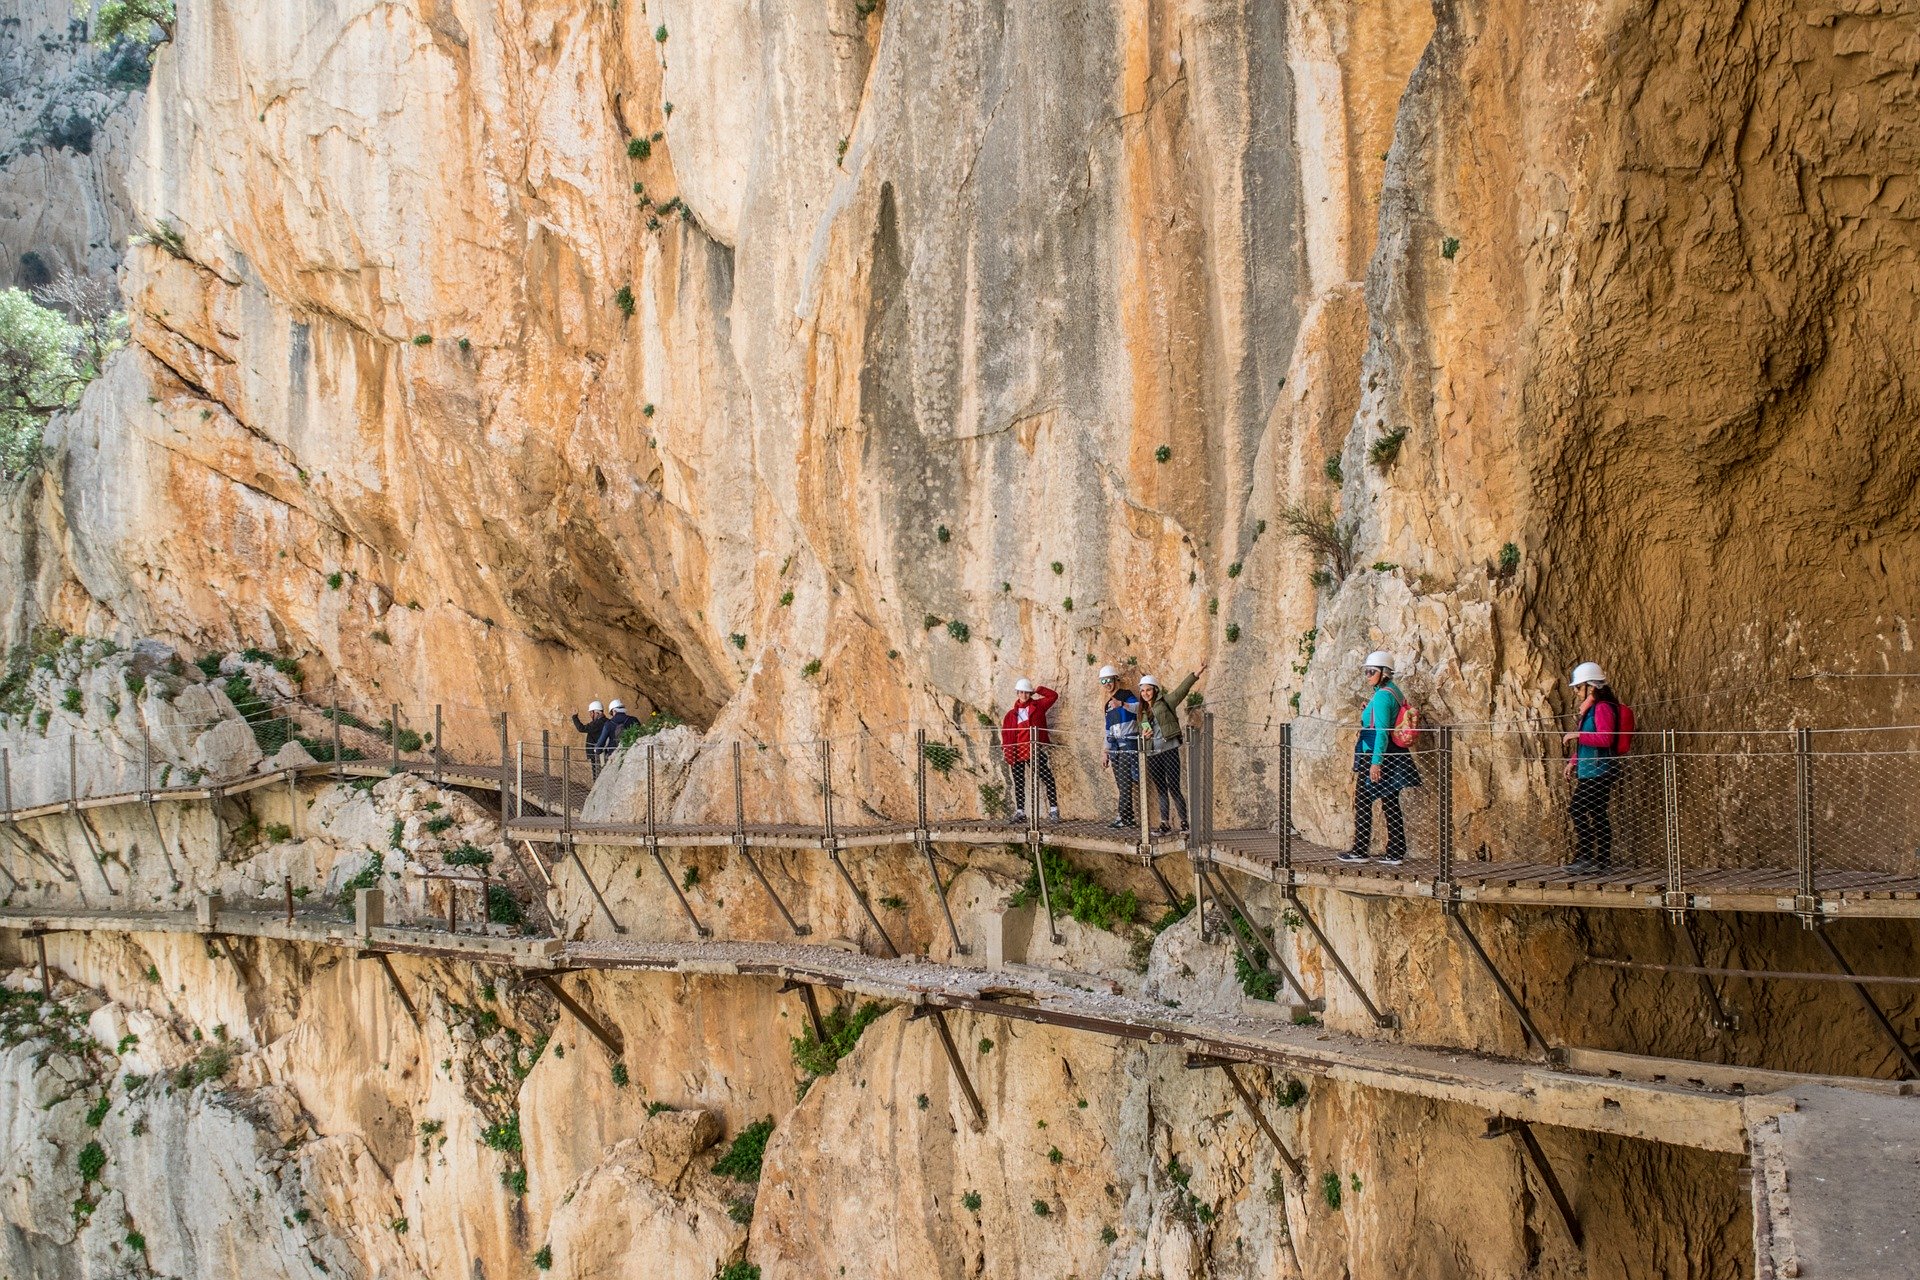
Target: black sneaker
1163,830
1118,823
1351,856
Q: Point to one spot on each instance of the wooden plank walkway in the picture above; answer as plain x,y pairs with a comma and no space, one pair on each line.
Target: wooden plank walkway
1685,1114
1513,881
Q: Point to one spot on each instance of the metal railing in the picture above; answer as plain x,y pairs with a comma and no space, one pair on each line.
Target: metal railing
1801,813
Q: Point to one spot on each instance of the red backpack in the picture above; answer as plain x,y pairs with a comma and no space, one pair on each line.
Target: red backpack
1406,720
1622,728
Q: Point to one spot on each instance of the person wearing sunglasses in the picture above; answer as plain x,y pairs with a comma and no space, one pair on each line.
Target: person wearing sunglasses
1123,742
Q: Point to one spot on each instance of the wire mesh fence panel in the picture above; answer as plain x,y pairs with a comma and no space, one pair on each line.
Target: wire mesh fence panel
782,784
1247,778
875,778
1735,803
1864,788
1517,798
968,776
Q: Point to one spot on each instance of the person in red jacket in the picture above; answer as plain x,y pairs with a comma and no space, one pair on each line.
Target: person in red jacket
1023,736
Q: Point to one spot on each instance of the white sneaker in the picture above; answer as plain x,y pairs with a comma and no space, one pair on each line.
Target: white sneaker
1053,814
1019,815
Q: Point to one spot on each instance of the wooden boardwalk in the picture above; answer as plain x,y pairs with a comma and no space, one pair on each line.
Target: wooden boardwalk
542,809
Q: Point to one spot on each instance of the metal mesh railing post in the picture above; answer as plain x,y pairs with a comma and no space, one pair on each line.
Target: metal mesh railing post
1443,885
566,790
393,734
339,765
1675,897
439,754
1807,900
505,778
1284,823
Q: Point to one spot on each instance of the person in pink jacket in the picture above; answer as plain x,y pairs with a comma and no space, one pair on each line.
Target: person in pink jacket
1594,766
1024,736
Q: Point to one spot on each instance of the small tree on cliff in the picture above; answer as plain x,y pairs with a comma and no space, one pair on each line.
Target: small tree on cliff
46,358
130,20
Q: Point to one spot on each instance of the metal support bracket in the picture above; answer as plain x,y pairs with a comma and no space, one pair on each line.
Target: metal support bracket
573,851
939,1019
1499,980
607,1036
653,847
393,980
1872,1006
1201,1061
1380,1019
1222,888
830,841
811,1001
1718,1018
1501,1126
923,839
742,847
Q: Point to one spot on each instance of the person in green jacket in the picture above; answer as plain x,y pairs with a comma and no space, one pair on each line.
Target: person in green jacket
1161,712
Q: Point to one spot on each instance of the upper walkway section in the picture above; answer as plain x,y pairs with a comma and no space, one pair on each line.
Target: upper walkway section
1805,820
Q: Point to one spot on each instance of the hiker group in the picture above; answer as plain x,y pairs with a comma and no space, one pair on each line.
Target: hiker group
603,727
1144,728
1141,727
1383,764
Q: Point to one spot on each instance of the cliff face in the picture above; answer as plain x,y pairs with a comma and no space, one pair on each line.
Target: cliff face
507,356
918,307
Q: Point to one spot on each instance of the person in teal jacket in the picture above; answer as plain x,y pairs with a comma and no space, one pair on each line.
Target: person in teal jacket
1382,769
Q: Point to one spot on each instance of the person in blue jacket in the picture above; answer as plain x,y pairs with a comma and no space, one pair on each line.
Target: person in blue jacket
1123,742
1382,770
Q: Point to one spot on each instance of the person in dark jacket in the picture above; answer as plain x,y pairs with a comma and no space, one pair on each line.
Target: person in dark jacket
618,722
1024,736
1382,768
1161,711
1593,766
1123,742
595,724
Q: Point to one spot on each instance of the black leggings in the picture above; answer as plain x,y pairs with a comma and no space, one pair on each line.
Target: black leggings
1164,770
1592,826
1043,767
1365,792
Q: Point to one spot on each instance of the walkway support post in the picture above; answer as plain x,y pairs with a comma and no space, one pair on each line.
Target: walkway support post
393,735
1141,793
567,841
1283,827
1326,944
1195,765
46,977
653,847
339,765
1500,1126
1499,980
745,850
439,756
1218,875
1872,1007
923,839
607,1036
1200,1061
503,764
1035,845
1675,898
393,980
812,1004
939,1020
830,841
1445,888
1806,900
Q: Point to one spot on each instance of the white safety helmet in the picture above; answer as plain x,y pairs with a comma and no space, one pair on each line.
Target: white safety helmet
617,706
1148,682
1023,685
595,706
1379,660
1588,673
1108,673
